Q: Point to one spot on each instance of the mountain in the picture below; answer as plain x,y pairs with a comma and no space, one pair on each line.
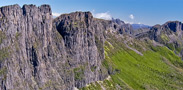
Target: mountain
168,34
140,26
77,51
39,52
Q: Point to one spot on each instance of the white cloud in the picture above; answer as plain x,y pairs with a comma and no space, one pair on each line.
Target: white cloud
129,22
56,14
131,16
105,16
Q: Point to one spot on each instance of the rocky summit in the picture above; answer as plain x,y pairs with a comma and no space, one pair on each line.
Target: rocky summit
39,52
77,51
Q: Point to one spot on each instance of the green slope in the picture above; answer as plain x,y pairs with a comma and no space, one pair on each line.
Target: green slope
158,69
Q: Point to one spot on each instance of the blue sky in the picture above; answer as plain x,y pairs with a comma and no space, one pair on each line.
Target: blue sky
148,12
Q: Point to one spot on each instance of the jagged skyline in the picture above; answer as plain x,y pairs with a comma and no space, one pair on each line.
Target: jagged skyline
149,12
76,51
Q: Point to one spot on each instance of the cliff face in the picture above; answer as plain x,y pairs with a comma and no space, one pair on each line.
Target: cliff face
76,49
39,52
25,47
169,34
83,45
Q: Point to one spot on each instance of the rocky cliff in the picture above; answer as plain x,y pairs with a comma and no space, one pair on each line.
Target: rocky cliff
169,34
39,52
77,50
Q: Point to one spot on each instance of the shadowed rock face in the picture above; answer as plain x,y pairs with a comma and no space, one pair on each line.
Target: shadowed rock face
39,52
83,44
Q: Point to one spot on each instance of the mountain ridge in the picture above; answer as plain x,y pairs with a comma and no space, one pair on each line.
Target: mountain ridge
140,26
73,41
77,50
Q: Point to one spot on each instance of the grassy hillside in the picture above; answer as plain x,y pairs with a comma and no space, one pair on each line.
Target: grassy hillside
157,69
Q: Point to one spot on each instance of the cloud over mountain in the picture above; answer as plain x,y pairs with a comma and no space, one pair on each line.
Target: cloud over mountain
56,14
105,16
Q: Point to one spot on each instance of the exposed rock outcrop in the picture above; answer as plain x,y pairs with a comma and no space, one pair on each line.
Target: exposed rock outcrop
122,27
169,34
39,52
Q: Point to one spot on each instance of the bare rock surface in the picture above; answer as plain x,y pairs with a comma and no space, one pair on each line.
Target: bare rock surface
39,52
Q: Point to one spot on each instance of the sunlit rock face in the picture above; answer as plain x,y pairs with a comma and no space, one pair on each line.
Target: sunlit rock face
39,52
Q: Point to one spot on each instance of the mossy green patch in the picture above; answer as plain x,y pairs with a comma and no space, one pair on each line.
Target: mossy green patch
92,86
93,68
3,70
164,38
2,36
79,73
17,35
4,54
170,46
99,45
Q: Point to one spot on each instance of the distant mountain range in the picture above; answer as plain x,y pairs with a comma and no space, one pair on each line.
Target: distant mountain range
138,26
